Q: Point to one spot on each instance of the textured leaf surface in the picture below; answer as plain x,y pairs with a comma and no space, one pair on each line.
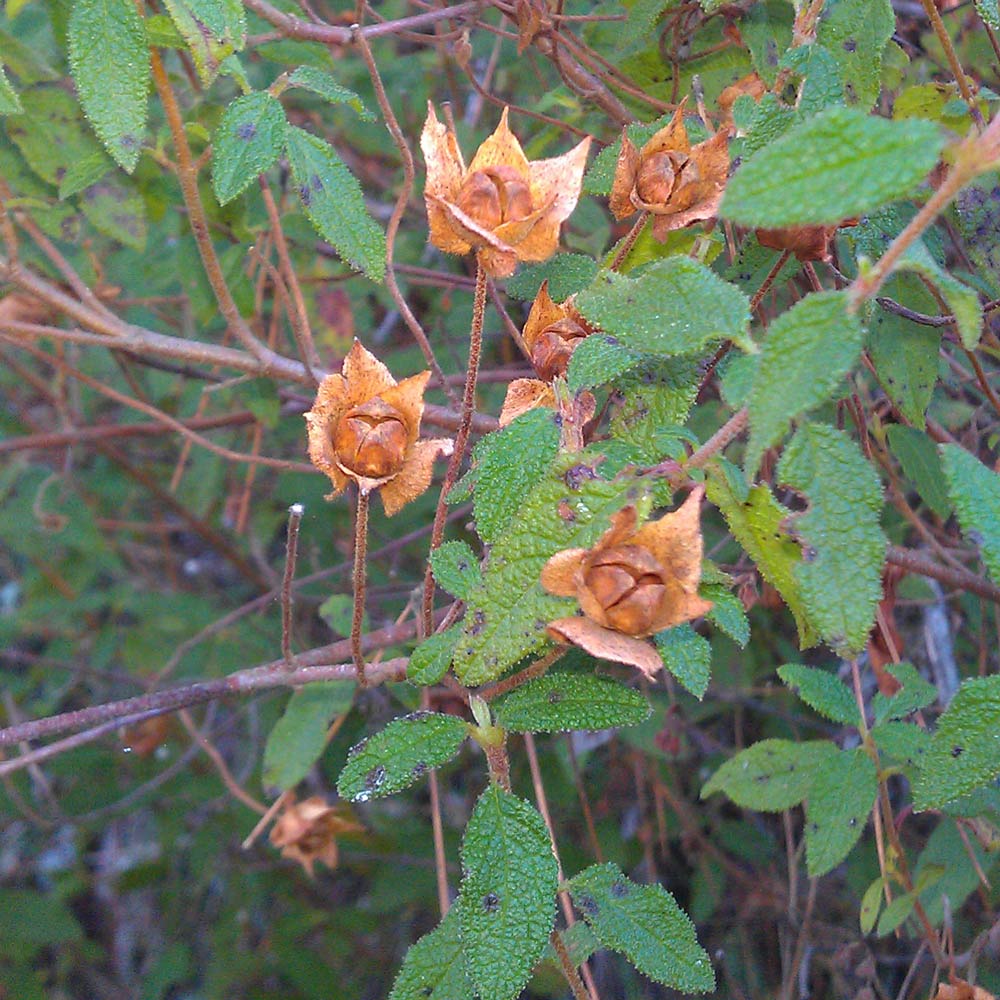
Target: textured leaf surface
10,104
964,751
322,83
838,164
856,32
598,361
115,206
808,351
213,30
434,967
688,656
989,11
839,801
674,307
905,743
333,200
727,613
248,140
429,662
506,901
559,702
945,869
841,582
110,60
975,492
921,464
85,172
916,693
566,273
771,775
821,691
507,613
456,568
299,736
400,754
645,923
757,521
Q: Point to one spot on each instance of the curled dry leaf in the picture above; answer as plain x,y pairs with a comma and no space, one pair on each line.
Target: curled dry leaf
806,242
306,832
959,989
750,85
503,206
633,583
677,183
363,426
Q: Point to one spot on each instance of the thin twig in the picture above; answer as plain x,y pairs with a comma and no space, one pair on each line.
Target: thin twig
295,513
360,555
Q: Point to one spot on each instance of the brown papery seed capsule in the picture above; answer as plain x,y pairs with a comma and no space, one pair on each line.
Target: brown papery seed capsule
371,439
515,195
654,183
479,198
555,344
628,583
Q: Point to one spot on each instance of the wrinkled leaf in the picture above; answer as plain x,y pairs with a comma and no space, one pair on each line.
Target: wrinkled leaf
322,83
456,568
247,142
10,104
821,691
915,693
727,613
921,464
434,967
855,32
599,360
839,801
429,662
688,656
975,491
566,273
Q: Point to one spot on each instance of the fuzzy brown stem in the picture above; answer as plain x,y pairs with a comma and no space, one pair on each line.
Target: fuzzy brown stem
628,241
291,555
360,554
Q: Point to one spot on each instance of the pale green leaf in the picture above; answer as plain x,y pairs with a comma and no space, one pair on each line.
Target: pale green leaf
808,351
871,903
915,693
116,208
676,306
645,923
727,613
841,581
767,32
566,273
822,82
895,913
247,142
212,29
945,870
506,902
456,568
400,754
334,202
298,738
964,751
821,691
855,32
771,775
975,491
429,662
434,967
559,702
10,104
838,164
688,656
600,360
84,172
839,801
322,83
110,59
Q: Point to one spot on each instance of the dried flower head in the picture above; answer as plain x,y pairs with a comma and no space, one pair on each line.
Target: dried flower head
679,184
633,583
306,832
503,206
364,426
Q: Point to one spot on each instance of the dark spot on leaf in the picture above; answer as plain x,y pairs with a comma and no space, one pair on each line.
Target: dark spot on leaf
587,903
619,889
853,821
305,194
957,751
577,475
427,991
128,142
850,44
555,696
317,182
813,827
491,902
246,131
540,623
374,778
463,566
771,52
419,769
478,621
493,661
851,93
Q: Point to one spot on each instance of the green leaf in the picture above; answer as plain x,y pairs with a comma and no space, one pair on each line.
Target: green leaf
757,522
840,799
808,351
903,742
944,875
644,923
115,207
964,751
640,22
212,29
400,754
771,775
570,507
320,82
989,11
110,60
841,582
767,31
821,691
10,104
676,306
599,360
895,913
688,656
855,32
506,902
822,81
977,209
84,172
31,921
429,662
566,273
975,491
334,202
248,141
338,612
299,736
871,903
916,693
728,613
838,164
506,465
434,967
456,568
921,464
559,702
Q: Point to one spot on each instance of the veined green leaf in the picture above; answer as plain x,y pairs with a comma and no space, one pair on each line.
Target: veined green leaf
212,29
400,754
110,60
600,360
841,582
247,142
434,967
456,568
808,351
10,104
989,11
645,923
429,662
688,656
975,492
322,83
915,693
728,613
334,202
84,172
566,273
855,32
821,691
839,801
838,164
507,900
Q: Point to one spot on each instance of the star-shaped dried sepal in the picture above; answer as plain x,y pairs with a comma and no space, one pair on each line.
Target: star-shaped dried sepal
502,205
364,427
306,832
633,583
677,183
